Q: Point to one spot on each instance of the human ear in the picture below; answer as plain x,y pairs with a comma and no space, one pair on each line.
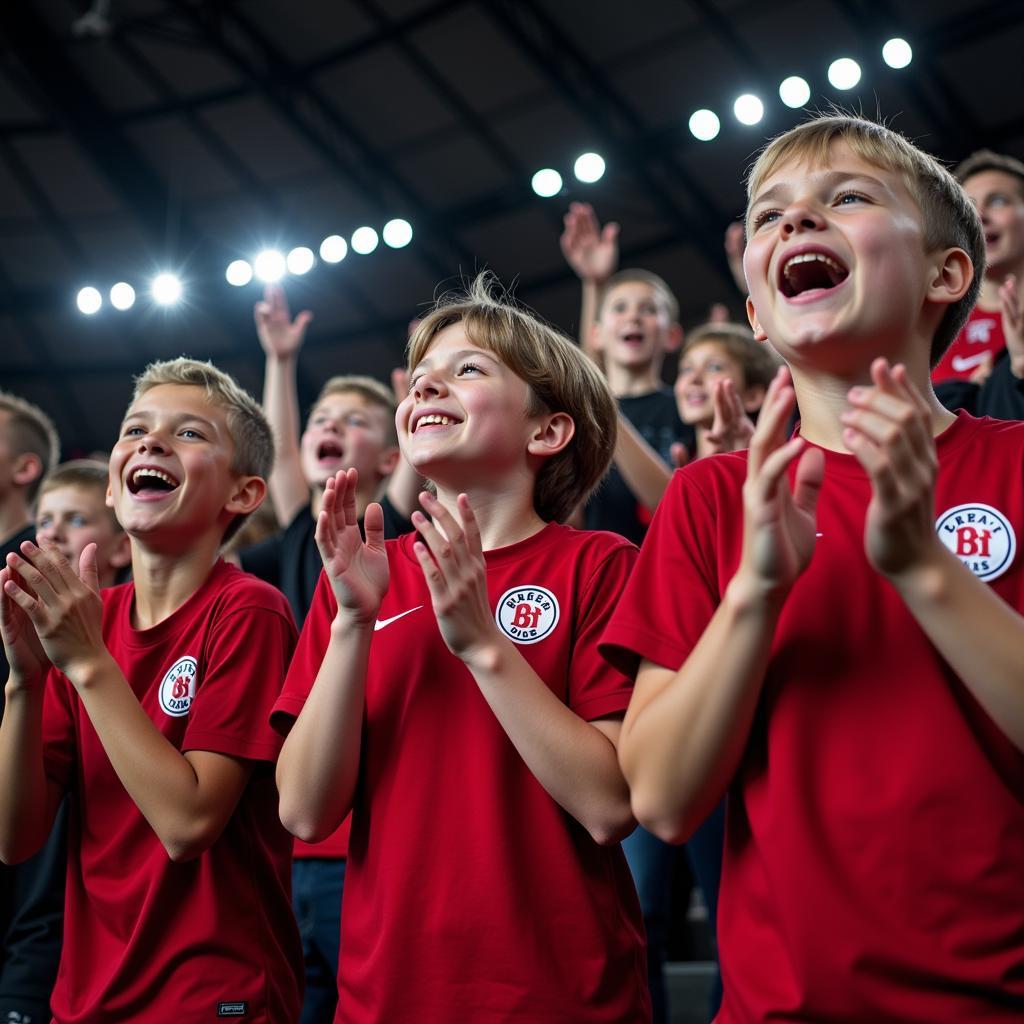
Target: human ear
247,496
753,397
674,338
755,325
120,553
27,468
387,461
954,273
554,431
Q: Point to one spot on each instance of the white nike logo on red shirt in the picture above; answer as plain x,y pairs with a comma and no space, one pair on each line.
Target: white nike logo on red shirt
381,623
963,363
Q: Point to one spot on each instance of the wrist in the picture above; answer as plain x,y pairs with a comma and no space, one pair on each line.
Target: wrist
925,577
348,623
486,658
84,672
748,593
19,685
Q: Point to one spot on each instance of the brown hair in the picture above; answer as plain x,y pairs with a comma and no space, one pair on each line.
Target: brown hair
948,217
559,377
368,388
89,474
756,359
30,430
639,276
985,160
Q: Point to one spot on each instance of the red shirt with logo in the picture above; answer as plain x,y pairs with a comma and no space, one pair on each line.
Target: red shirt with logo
470,895
874,859
981,335
146,939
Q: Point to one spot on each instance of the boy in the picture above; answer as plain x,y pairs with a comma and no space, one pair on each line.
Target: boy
864,705
475,743
148,703
723,373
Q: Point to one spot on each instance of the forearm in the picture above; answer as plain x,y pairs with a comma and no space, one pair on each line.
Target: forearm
319,762
572,759
588,317
977,632
25,811
287,486
685,732
640,465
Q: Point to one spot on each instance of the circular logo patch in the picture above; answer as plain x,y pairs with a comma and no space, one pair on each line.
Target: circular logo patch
179,687
527,614
980,536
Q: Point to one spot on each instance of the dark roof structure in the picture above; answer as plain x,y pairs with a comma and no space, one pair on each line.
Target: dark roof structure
146,135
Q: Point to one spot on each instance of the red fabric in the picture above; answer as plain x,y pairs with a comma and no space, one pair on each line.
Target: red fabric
147,939
875,827
982,333
470,895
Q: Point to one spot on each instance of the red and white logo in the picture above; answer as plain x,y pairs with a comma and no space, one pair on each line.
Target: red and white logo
178,689
980,536
979,331
527,614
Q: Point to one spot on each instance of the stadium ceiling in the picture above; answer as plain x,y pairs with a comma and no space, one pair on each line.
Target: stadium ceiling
146,135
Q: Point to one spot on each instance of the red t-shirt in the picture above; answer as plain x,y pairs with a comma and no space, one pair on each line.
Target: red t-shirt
983,333
146,939
874,860
470,895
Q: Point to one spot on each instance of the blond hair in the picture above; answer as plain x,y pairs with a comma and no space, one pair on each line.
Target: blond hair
247,424
757,361
88,474
636,275
372,390
948,217
30,430
559,378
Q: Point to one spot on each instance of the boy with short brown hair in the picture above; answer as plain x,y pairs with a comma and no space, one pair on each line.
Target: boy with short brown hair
148,701
830,626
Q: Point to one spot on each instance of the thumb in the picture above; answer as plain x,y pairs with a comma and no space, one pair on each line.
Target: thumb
88,571
373,526
610,232
303,319
680,456
810,473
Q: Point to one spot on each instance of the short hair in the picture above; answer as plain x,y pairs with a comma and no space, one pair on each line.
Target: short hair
636,275
369,388
560,378
985,160
948,217
756,359
30,430
247,424
89,474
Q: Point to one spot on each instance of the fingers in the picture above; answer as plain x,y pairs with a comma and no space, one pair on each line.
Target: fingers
773,420
680,455
447,547
810,474
88,572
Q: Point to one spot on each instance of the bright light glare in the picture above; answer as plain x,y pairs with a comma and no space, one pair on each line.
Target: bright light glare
897,53
165,289
89,301
546,183
397,233
704,125
364,240
333,249
844,73
589,167
269,266
122,295
794,91
239,273
300,260
748,109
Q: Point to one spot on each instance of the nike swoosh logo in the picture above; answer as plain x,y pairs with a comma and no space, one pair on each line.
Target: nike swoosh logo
381,623
963,363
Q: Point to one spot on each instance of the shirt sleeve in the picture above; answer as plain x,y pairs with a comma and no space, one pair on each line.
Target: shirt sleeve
245,660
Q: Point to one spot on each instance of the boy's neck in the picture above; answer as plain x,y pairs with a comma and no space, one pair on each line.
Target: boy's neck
14,515
626,382
165,580
504,513
988,297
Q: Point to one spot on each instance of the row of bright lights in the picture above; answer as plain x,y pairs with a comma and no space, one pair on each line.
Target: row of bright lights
588,168
268,266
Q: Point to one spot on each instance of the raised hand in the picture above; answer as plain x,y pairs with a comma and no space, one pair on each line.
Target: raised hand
65,610
591,251
779,522
889,428
452,561
357,569
279,335
1012,305
25,654
731,429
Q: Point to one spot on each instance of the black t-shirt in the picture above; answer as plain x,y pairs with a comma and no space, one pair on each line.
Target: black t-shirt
1001,396
291,562
613,505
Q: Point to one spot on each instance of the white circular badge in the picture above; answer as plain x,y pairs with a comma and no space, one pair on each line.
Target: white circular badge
527,614
980,536
178,688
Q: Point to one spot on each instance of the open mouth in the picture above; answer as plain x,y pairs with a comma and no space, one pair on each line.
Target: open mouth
329,450
433,419
149,480
991,237
810,271
633,338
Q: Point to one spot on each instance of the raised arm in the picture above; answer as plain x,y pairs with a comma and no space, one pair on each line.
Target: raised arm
319,762
685,730
405,483
593,253
281,339
640,465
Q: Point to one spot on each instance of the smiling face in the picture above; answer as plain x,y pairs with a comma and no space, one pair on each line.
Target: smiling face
836,262
999,198
634,326
171,480
701,365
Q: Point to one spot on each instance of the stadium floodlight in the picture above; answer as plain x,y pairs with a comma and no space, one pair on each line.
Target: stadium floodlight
89,300
300,260
547,182
165,289
589,167
748,109
844,73
397,233
794,91
333,249
122,296
364,240
239,273
897,53
269,266
704,125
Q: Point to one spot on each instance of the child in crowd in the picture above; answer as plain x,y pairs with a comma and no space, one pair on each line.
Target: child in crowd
148,703
30,893
352,426
829,626
448,690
